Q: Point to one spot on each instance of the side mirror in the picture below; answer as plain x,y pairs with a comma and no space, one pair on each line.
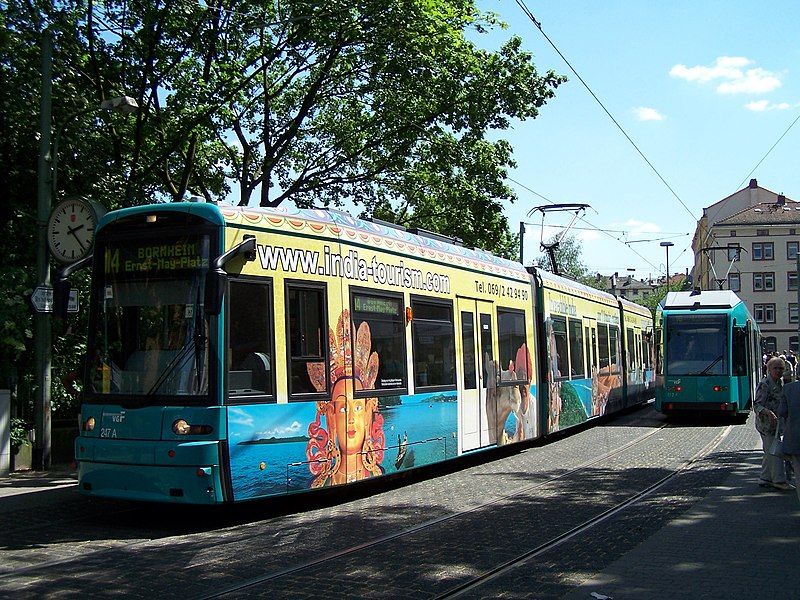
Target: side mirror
216,282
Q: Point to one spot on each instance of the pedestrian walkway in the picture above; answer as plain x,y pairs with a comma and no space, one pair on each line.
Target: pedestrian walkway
740,541
29,482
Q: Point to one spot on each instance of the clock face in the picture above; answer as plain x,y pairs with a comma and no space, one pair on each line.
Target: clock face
70,230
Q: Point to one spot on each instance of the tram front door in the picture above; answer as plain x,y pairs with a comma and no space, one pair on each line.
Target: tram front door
477,373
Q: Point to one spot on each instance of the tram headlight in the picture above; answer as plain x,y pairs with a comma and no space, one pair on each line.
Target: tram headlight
182,427
88,424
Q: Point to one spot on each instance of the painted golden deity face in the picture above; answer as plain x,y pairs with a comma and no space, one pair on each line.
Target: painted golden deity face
351,417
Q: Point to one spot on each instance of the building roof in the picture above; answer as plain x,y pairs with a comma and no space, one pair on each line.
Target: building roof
766,213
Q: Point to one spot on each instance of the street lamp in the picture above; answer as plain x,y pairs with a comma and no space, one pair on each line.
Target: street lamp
666,246
47,182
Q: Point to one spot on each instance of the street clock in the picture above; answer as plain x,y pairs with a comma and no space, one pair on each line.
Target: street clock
71,227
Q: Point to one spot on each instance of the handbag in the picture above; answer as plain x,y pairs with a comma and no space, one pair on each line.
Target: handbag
776,448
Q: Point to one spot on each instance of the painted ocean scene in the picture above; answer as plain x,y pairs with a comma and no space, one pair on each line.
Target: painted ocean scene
268,442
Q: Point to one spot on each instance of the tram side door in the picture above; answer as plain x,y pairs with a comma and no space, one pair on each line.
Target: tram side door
478,367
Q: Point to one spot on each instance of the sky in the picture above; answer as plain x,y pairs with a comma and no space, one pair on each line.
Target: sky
704,89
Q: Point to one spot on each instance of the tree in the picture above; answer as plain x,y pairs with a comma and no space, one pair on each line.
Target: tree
384,104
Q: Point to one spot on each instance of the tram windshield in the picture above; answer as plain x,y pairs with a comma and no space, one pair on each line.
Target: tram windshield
149,335
697,345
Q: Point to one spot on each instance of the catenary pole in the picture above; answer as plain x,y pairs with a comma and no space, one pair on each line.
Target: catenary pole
41,448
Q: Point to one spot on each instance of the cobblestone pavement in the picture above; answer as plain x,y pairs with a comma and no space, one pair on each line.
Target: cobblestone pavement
57,543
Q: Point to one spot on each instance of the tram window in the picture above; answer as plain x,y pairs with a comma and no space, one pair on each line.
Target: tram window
468,345
560,346
630,344
696,345
306,334
613,346
739,351
576,349
602,342
433,339
587,337
511,335
250,340
383,317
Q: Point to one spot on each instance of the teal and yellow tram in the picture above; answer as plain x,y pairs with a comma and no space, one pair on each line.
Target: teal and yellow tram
238,353
708,353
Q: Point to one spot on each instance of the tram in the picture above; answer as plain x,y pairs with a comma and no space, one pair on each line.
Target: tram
708,353
238,353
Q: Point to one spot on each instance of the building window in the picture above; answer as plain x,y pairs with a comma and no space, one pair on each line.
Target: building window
792,312
764,282
793,343
770,343
792,281
734,251
791,250
763,251
734,282
764,313
762,232
733,233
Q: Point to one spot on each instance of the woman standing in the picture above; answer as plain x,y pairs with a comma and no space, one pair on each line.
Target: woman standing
769,395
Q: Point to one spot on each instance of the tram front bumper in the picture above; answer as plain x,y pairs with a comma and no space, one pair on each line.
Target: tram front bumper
187,473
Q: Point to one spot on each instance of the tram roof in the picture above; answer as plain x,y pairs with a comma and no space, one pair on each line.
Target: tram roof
329,222
701,299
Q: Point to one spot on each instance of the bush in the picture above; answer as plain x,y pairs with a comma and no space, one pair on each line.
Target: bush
19,433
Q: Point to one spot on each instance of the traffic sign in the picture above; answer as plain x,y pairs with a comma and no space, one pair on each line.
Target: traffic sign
42,300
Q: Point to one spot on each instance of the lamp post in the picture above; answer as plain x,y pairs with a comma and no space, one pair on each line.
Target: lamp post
47,177
666,246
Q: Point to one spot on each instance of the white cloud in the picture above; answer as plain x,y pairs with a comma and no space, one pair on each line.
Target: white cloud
238,416
734,79
644,113
763,105
292,429
635,226
725,67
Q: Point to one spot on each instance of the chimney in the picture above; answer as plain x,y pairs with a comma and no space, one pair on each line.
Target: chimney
781,200
753,184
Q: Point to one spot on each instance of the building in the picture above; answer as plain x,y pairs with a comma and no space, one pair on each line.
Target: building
748,243
636,290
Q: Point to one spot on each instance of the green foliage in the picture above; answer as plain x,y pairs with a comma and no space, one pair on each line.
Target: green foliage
382,104
19,433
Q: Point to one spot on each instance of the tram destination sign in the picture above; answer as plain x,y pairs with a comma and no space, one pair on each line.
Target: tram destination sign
42,300
153,256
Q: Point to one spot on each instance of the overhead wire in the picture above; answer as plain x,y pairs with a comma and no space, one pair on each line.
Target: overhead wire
538,25
583,219
763,158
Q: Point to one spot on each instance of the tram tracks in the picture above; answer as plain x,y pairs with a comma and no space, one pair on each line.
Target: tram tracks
520,560
424,526
234,538
271,546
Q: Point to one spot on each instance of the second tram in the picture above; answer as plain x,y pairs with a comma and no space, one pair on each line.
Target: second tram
709,358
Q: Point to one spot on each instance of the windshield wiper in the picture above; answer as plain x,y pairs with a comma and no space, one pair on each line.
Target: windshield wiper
180,360
711,364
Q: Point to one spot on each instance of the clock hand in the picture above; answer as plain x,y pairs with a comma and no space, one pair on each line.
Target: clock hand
75,235
72,230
